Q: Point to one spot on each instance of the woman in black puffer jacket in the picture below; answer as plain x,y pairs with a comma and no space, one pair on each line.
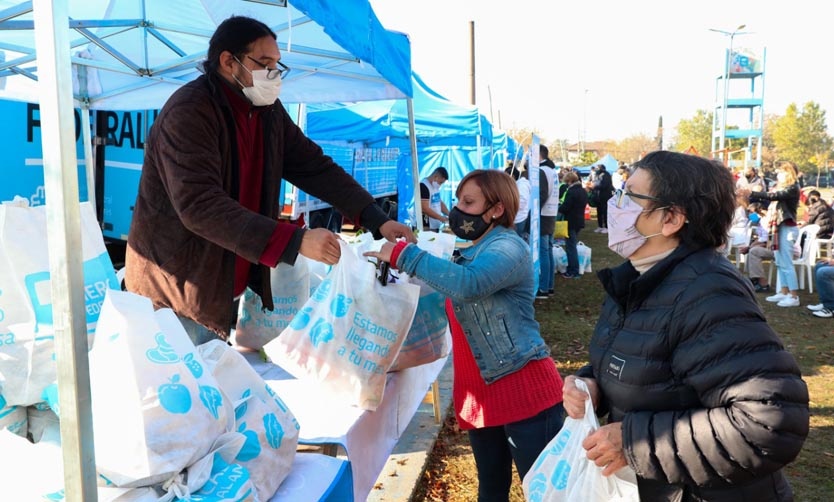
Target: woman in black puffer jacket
703,400
819,213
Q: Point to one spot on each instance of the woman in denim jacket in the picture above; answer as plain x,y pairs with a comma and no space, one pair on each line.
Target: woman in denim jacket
507,390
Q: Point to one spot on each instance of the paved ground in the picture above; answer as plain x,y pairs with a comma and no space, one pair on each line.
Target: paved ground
404,468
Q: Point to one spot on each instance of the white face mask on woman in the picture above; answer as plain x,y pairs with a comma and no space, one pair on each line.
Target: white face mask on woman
264,91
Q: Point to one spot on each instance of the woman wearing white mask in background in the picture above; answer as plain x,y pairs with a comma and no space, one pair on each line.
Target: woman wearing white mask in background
781,213
205,220
703,400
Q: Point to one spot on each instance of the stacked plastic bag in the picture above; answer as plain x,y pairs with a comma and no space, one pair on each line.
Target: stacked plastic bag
171,421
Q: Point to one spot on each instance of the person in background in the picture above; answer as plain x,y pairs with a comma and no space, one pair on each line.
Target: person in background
824,276
818,212
522,218
703,400
781,215
507,390
619,177
548,209
758,251
205,223
573,210
603,189
435,212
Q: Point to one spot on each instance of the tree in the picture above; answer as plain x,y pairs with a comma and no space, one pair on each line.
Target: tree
587,158
696,132
634,147
801,137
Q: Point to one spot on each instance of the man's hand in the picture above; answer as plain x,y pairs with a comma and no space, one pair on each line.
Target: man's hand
573,399
605,448
393,230
321,245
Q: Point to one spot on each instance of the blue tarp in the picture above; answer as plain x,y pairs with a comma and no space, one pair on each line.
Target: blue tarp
132,55
447,134
611,164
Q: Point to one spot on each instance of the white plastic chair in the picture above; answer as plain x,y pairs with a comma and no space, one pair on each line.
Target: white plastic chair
808,257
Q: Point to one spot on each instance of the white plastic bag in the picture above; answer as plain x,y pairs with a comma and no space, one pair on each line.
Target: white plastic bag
349,332
428,339
270,428
563,472
584,254
157,408
560,258
290,291
23,247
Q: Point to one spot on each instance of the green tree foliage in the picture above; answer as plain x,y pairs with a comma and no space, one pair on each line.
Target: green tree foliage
801,137
634,147
587,158
695,132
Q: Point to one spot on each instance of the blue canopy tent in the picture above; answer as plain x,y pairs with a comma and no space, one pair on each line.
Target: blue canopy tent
611,164
446,134
131,55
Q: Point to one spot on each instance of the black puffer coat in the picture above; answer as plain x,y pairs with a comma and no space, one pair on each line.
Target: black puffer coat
712,405
822,214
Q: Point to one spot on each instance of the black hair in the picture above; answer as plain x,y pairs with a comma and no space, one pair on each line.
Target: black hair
544,153
703,189
442,172
235,34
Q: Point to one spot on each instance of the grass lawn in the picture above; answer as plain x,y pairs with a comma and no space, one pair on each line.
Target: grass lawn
567,320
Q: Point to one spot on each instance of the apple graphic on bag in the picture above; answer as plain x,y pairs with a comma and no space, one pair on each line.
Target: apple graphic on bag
251,448
340,305
174,396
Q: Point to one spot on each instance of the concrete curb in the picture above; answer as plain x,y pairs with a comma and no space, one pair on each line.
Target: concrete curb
404,469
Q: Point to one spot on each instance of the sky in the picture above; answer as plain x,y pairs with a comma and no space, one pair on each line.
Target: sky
608,69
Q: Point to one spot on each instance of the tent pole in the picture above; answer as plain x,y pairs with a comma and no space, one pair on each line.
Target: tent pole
51,20
89,164
415,167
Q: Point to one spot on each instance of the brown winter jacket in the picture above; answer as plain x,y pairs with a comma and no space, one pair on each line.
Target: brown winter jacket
187,223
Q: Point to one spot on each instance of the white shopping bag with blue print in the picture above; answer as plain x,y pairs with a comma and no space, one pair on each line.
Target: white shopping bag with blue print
270,428
24,250
583,252
13,418
563,472
290,291
157,408
428,339
349,332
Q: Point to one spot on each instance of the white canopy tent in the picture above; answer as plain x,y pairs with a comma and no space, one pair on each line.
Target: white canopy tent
131,55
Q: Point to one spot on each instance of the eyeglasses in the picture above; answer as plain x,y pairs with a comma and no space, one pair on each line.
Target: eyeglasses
620,195
271,73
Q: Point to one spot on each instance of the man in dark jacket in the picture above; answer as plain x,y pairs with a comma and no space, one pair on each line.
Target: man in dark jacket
204,224
703,400
819,213
572,209
603,188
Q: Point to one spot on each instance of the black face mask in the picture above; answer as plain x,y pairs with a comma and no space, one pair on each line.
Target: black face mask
468,226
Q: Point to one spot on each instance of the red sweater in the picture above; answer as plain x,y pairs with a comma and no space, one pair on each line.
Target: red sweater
523,394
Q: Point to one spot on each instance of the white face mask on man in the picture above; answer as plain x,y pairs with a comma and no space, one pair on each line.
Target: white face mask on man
264,91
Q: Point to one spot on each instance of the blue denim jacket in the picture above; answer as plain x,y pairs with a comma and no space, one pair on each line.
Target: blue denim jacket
491,287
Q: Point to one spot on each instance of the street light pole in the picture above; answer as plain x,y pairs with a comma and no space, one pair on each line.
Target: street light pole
727,61
585,121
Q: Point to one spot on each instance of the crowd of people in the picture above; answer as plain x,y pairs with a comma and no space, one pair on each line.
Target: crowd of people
702,399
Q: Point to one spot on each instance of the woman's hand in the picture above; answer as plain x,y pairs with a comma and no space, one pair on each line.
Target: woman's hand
384,253
573,399
605,448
